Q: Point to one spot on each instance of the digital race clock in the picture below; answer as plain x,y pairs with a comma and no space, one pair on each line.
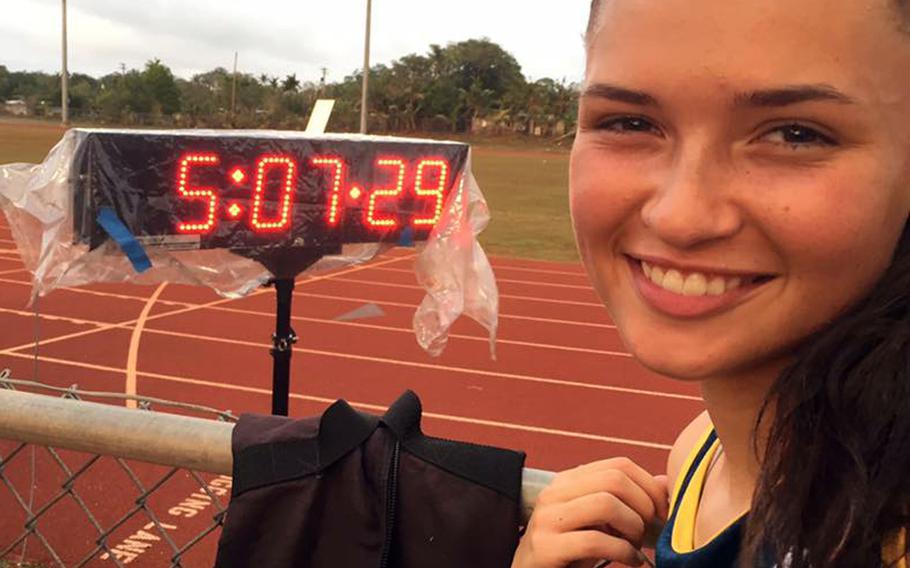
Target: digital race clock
256,191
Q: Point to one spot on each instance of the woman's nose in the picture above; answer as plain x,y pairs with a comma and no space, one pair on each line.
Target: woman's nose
692,204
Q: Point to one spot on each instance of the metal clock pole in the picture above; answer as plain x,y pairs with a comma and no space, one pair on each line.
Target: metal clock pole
282,347
285,265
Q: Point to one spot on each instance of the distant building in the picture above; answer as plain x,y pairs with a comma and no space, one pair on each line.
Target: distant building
15,107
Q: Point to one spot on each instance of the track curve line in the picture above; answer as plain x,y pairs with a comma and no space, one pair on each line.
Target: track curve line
132,359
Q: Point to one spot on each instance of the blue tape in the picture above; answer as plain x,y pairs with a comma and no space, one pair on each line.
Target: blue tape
407,237
125,239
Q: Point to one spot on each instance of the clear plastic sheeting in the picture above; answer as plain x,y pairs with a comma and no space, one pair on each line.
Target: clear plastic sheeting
456,273
52,217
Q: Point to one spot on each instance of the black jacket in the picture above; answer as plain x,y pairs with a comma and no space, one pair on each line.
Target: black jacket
355,490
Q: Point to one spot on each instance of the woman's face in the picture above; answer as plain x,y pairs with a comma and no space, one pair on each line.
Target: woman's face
764,141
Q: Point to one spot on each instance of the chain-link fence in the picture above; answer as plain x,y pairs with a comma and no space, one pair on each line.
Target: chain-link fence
66,508
86,483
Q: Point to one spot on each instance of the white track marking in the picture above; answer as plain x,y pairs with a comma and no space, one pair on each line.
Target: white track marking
510,281
310,295
354,324
371,359
188,308
13,271
497,264
49,317
506,296
365,406
407,330
430,366
382,303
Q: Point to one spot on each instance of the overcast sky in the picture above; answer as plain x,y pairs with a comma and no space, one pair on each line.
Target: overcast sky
279,37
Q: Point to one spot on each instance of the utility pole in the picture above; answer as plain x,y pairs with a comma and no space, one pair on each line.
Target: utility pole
366,73
64,78
234,90
325,71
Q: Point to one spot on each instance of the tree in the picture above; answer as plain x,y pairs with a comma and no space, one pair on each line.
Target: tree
470,78
446,88
161,86
6,86
125,97
291,83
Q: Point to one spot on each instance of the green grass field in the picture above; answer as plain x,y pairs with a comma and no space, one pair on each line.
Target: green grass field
524,186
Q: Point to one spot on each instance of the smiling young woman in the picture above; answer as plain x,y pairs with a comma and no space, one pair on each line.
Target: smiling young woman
740,191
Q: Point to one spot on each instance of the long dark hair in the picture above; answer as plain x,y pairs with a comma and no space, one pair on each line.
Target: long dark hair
835,475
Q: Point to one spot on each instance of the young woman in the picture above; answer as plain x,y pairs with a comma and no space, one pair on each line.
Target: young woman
740,191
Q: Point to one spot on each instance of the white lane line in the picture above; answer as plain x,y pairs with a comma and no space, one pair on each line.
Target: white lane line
371,359
501,264
322,296
187,309
132,358
312,295
505,296
89,292
430,366
366,406
512,281
414,306
49,317
354,324
321,321
409,331
13,271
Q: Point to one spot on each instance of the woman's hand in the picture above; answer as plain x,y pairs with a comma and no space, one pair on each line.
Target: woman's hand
605,510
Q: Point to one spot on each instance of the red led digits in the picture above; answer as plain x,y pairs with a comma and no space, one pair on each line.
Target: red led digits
186,191
337,168
288,182
386,192
436,193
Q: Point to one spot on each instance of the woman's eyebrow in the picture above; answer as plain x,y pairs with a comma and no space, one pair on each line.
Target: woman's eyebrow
791,95
765,98
619,94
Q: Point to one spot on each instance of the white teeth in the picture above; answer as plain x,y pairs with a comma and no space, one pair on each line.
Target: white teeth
695,284
657,275
717,286
673,281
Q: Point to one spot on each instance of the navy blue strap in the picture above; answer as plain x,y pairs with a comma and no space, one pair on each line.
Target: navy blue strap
109,221
695,463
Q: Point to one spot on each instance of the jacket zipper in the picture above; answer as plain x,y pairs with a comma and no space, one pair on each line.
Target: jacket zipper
391,496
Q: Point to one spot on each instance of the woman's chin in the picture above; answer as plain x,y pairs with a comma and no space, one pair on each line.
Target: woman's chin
689,371
680,364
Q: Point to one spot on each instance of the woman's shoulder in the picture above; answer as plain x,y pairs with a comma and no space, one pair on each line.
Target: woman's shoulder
686,440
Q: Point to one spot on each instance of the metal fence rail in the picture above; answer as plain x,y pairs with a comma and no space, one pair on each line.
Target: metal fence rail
47,430
186,445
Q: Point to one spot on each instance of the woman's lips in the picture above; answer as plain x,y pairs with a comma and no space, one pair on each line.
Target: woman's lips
679,305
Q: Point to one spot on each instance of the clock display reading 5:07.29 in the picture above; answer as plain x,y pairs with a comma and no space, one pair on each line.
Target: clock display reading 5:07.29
273,181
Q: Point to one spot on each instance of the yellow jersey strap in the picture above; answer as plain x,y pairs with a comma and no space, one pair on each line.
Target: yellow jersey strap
894,549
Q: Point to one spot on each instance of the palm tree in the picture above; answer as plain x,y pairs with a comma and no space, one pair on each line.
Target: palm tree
291,83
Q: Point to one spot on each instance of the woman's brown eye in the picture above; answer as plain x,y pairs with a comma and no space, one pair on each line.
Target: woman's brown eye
798,135
627,124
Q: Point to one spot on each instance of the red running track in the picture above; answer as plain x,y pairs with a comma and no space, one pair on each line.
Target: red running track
562,389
